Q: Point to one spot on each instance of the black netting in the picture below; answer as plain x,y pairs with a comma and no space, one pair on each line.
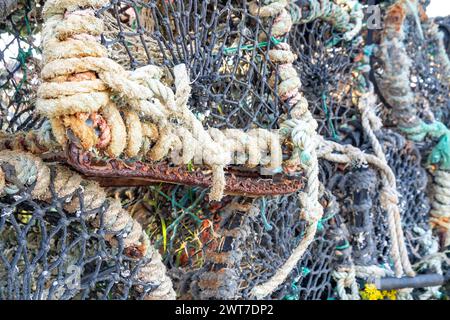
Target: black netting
223,45
272,239
19,67
233,85
324,64
405,160
48,253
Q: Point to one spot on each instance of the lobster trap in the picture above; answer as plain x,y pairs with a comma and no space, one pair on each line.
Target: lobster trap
222,229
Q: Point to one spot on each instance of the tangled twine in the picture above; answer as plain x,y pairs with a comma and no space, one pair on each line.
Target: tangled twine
302,130
335,14
29,171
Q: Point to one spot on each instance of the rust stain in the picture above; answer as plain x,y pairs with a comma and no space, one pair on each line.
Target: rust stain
395,16
117,172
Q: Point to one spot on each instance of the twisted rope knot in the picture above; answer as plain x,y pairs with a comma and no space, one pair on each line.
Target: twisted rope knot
29,171
366,106
302,133
346,278
311,212
372,272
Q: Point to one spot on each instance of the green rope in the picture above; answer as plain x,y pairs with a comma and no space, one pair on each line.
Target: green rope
440,155
328,116
346,245
22,56
320,225
249,47
296,291
262,211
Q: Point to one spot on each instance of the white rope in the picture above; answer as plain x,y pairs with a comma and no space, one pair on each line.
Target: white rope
71,89
389,195
302,130
346,278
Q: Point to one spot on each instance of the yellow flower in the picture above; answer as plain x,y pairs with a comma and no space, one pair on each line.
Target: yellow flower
371,292
390,295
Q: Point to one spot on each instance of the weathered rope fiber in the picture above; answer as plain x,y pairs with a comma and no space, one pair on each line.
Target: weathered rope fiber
333,13
34,141
31,172
308,146
389,197
302,130
80,81
396,87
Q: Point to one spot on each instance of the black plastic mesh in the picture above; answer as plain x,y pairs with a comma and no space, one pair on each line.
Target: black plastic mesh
405,160
225,50
311,279
325,65
19,67
219,41
271,243
48,253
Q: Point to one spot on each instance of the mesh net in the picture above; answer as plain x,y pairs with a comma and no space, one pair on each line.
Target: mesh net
324,64
214,250
19,67
221,43
48,253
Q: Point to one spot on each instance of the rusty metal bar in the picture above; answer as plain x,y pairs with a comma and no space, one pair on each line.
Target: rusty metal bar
117,172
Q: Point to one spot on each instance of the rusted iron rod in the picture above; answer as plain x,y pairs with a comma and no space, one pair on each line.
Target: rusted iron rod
117,172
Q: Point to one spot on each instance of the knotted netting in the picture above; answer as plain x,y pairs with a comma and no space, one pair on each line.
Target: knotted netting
61,238
20,67
241,60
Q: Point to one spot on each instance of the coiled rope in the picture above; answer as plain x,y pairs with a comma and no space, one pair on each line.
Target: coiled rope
81,83
335,14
